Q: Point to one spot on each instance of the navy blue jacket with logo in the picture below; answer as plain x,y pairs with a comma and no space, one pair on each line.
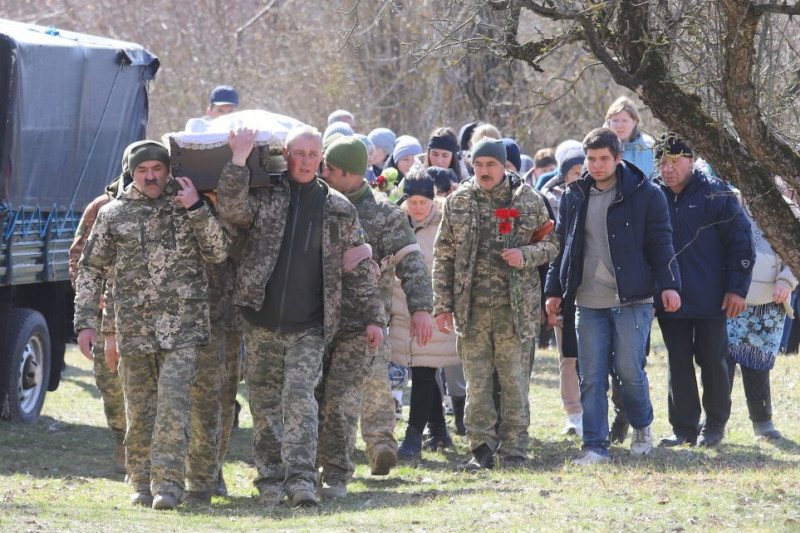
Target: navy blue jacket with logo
639,239
712,238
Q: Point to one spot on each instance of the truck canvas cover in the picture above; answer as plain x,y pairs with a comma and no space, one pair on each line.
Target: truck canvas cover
61,141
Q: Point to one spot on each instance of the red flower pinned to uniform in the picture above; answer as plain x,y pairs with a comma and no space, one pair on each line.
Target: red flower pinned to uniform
513,213
505,227
501,213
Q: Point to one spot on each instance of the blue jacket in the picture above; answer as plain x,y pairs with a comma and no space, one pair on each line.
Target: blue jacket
639,152
715,250
639,235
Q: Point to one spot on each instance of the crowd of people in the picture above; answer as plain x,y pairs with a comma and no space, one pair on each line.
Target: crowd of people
445,260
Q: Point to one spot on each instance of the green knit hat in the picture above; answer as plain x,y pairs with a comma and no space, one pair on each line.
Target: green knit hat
349,154
142,151
490,148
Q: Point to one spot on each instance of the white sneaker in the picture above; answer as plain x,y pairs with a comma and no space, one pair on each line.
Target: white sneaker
642,441
588,457
574,425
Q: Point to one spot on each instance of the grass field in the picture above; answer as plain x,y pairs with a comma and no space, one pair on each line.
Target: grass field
57,475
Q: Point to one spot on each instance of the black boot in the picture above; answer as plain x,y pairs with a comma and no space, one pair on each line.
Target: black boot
482,459
411,446
459,402
759,402
440,439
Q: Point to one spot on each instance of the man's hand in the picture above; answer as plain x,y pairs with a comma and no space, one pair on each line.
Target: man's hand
513,256
421,327
553,307
671,300
374,336
444,321
782,294
733,304
111,354
241,142
87,338
188,195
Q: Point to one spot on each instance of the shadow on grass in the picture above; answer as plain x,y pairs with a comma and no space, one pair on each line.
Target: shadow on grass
51,448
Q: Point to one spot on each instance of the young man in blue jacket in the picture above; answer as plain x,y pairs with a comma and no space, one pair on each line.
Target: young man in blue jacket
616,257
715,253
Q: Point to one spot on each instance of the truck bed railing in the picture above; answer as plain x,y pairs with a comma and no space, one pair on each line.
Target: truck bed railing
36,244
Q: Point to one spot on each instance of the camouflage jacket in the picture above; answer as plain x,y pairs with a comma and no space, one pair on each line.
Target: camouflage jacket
456,248
153,254
395,249
261,213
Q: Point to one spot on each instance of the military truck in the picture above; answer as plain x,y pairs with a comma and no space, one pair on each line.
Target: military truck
69,105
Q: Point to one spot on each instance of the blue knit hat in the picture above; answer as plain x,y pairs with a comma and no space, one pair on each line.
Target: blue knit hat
338,127
383,138
572,157
406,145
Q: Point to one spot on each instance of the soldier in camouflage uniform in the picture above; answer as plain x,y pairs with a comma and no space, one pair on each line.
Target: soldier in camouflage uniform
290,286
151,244
108,382
349,371
218,365
485,282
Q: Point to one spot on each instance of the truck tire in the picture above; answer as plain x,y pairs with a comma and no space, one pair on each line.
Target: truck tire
27,351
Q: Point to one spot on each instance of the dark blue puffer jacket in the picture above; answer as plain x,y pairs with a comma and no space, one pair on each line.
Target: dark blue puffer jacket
712,237
639,238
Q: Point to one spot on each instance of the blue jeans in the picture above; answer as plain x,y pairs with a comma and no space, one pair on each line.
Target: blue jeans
612,338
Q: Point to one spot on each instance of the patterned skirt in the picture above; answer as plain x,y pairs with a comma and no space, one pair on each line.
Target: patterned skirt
755,335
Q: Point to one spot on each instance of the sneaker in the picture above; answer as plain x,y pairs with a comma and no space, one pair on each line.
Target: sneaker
142,498
333,490
382,460
588,457
304,498
642,441
197,497
164,501
574,425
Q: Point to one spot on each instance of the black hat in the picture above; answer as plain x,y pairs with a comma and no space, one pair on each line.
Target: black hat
443,178
418,182
670,144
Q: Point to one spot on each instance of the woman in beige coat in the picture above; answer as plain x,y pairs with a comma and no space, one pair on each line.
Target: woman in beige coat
426,399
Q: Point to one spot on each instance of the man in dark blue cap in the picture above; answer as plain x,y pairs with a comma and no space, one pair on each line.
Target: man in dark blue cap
223,100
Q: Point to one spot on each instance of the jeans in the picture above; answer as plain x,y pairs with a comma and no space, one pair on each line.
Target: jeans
612,338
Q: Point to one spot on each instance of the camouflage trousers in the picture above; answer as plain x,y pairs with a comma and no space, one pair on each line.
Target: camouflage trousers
281,372
230,387
205,427
344,370
491,344
110,387
157,405
377,405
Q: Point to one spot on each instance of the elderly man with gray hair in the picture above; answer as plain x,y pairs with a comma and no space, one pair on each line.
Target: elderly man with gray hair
289,288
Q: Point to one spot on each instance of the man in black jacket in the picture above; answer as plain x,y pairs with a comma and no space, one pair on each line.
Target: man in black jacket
715,253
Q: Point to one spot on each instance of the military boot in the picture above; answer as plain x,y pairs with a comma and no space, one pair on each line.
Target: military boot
482,459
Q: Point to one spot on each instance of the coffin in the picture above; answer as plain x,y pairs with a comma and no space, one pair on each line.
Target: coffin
201,156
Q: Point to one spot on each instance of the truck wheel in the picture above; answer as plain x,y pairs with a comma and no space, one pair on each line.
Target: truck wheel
28,352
